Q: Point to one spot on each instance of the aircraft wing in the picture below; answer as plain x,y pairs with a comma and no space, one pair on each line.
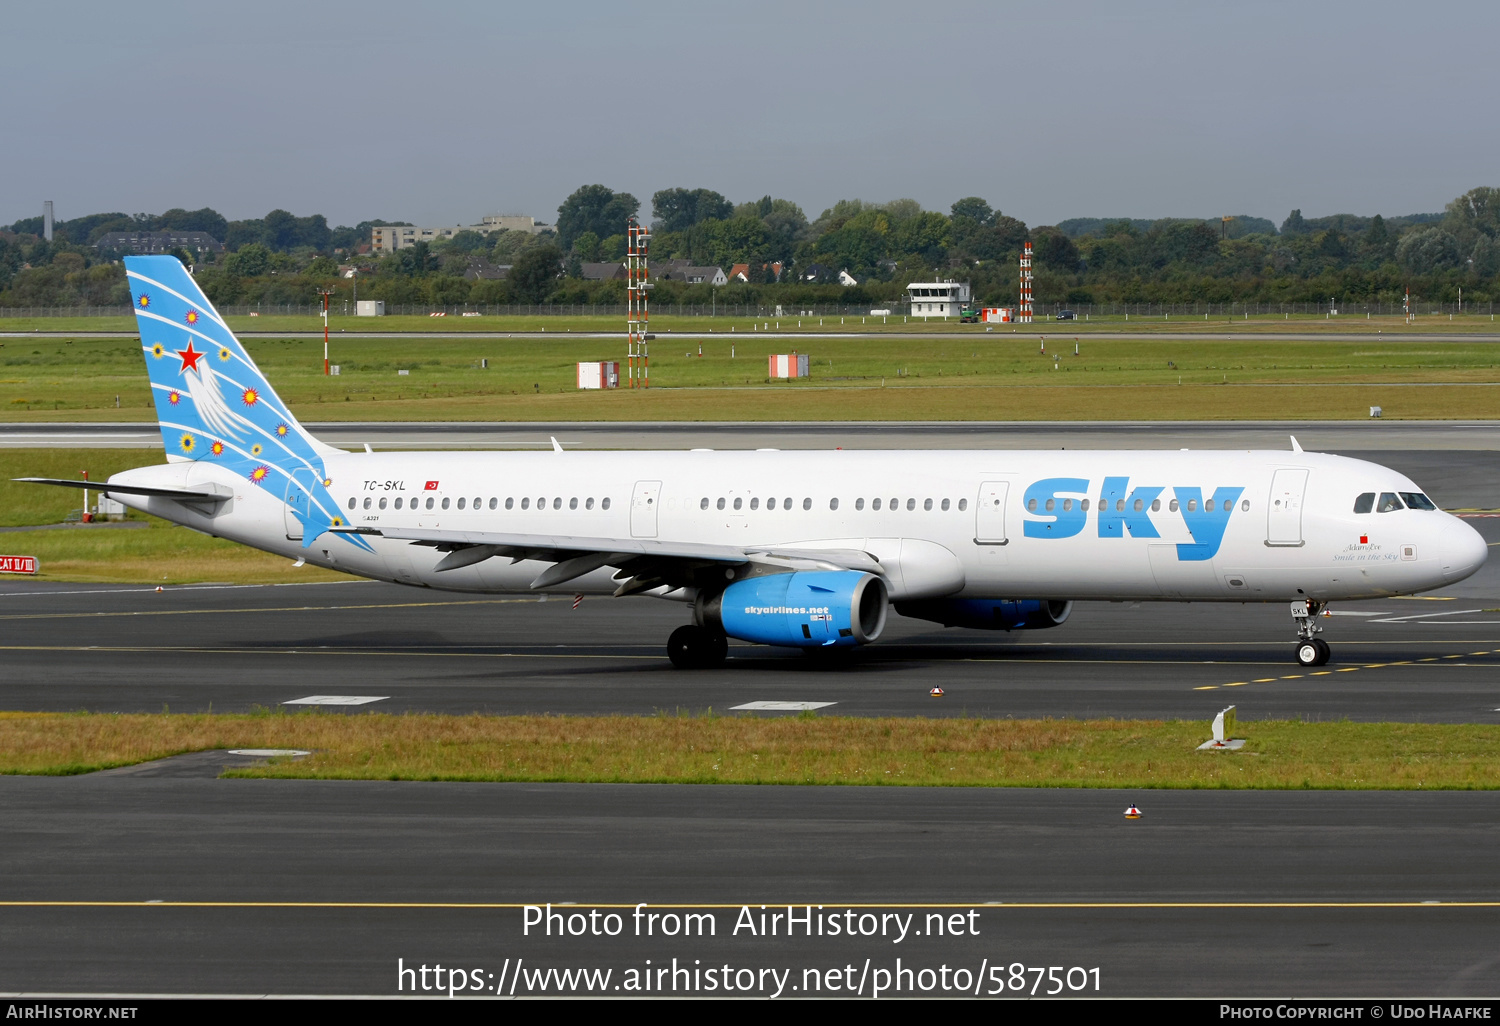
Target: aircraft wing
184,494
642,563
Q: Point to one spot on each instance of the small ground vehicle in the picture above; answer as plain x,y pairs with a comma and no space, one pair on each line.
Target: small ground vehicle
968,315
1067,315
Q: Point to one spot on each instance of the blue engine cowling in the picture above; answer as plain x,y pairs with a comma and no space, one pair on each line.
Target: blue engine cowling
804,609
990,614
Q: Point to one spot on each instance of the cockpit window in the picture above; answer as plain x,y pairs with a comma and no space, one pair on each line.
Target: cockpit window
1364,503
1388,502
1416,500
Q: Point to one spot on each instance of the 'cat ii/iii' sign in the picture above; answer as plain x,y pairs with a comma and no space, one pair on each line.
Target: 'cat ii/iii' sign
17,564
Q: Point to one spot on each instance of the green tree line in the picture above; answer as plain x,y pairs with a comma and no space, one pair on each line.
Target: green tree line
282,258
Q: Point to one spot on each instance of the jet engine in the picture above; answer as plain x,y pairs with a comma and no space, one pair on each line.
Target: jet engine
990,614
802,609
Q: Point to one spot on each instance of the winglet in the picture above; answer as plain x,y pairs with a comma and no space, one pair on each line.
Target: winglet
556,446
1295,446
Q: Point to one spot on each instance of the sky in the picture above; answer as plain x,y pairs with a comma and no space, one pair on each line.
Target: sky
442,112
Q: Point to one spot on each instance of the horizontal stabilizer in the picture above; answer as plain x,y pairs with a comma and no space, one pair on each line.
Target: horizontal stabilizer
184,494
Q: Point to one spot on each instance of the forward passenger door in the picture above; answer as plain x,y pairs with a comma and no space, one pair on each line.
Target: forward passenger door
643,506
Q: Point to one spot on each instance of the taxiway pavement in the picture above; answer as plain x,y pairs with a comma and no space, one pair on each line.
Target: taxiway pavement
1433,658
128,885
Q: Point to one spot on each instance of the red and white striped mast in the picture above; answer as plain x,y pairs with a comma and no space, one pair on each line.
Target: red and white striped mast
1025,313
637,308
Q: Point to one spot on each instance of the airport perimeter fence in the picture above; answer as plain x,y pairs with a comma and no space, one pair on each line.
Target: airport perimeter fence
1083,311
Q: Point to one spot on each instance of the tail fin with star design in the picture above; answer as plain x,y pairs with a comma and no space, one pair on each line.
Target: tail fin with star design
212,401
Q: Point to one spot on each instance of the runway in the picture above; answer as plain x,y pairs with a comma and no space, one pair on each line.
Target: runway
124,885
1078,328
1314,436
129,649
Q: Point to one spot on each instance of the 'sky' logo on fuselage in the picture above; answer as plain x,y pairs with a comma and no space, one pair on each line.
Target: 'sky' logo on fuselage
1060,506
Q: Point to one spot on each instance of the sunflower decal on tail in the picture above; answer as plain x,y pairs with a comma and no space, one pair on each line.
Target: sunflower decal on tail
259,474
250,397
188,442
217,448
191,317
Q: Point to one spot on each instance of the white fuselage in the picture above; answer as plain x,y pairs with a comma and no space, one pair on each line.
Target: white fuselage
948,523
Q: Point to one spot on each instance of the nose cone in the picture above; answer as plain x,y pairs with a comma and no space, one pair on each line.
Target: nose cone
1463,550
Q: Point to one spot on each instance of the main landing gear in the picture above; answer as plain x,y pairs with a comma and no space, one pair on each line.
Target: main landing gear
695,648
1311,649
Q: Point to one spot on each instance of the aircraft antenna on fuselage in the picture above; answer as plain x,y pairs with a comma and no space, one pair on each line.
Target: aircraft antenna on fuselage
1295,446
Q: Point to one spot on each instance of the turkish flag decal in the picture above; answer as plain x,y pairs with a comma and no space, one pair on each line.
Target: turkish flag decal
431,486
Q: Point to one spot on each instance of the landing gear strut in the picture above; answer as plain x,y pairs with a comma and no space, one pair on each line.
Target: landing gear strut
693,648
1311,649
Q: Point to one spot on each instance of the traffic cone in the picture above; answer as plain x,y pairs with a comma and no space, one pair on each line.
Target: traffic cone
936,692
1132,812
160,588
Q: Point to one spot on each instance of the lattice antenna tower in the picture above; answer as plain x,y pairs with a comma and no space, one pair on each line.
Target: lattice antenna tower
1025,312
637,311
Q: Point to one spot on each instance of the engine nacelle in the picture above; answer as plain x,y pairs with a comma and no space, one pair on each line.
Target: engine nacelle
804,609
990,614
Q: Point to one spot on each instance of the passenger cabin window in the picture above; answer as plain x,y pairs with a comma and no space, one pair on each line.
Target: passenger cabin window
1416,500
859,503
429,502
833,504
573,503
510,503
604,502
720,503
367,502
382,502
1388,502
963,504
945,505
704,503
525,502
1364,503
460,503
755,503
445,502
807,504
875,503
399,500
352,500
588,503
557,502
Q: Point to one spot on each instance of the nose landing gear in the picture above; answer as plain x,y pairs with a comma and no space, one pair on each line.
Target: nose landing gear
1311,649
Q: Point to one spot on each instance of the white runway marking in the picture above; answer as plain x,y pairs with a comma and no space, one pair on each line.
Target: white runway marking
1424,616
337,700
782,706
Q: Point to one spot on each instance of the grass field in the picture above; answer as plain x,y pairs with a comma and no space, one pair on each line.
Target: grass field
806,749
1312,324
991,377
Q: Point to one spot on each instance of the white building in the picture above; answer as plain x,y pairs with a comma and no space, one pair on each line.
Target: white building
937,298
390,238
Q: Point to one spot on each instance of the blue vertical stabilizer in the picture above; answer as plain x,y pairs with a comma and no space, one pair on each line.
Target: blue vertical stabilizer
212,401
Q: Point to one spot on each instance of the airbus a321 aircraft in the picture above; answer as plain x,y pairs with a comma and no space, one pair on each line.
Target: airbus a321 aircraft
802,549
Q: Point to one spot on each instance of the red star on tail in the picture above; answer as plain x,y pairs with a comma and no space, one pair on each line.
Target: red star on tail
190,357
